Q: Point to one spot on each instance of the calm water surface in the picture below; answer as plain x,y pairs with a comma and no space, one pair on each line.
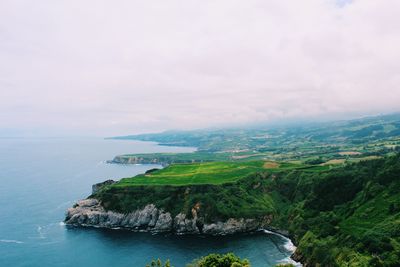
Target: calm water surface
41,178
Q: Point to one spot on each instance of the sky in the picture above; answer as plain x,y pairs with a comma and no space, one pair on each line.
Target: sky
94,67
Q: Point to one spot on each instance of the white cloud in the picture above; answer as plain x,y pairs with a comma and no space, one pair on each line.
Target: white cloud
132,66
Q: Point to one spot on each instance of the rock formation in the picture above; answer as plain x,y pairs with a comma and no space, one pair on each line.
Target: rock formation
89,212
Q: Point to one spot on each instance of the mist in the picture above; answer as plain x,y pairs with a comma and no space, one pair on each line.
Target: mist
112,68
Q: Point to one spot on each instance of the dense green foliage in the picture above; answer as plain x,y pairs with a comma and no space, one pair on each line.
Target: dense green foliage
348,216
159,263
214,260
243,198
220,260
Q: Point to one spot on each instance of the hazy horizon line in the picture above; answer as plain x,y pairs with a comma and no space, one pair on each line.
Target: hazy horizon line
287,122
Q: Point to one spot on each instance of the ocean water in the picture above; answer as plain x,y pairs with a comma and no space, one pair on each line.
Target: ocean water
41,178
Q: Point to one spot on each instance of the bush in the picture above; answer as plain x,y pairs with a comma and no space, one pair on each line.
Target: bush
221,260
158,263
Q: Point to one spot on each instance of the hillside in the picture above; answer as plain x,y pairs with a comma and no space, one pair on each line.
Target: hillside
339,141
343,216
348,216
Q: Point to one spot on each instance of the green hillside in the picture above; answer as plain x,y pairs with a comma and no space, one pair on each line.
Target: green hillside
343,216
348,216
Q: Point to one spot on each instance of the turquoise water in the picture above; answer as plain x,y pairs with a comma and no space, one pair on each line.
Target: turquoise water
41,178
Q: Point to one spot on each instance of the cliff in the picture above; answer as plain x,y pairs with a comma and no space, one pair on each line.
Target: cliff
136,160
90,212
214,209
345,215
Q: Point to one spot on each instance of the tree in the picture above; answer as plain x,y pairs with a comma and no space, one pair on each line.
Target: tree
158,263
220,260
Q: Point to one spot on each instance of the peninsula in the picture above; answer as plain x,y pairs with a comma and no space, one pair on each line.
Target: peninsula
339,203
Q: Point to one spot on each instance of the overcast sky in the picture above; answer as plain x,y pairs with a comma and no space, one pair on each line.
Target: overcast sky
121,67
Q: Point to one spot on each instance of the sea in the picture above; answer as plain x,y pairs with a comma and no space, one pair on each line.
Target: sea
41,177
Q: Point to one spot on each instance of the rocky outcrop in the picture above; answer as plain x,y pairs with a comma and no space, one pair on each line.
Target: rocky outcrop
89,212
98,186
123,159
159,160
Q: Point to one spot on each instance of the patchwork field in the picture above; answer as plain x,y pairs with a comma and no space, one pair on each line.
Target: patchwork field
196,173
211,172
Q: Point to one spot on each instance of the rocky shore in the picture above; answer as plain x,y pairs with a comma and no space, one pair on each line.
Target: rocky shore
89,212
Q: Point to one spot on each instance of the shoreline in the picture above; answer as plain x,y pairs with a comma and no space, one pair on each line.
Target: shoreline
89,213
288,246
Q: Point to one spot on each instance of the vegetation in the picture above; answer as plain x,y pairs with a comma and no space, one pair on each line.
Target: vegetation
159,263
335,187
196,173
220,190
344,216
169,158
309,142
214,260
243,198
220,260
348,216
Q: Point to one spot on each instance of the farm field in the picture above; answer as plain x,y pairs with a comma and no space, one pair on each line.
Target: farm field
211,172
196,173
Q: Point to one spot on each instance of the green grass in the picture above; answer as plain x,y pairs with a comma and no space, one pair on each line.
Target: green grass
210,173
196,173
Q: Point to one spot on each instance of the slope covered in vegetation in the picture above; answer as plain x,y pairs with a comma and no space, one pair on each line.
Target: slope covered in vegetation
348,216
343,216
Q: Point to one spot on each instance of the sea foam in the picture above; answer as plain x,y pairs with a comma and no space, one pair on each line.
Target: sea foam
289,246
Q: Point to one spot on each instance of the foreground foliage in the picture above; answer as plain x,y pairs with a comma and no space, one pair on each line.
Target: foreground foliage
159,263
220,260
214,260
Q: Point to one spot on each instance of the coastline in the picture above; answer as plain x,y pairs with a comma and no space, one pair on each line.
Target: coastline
90,213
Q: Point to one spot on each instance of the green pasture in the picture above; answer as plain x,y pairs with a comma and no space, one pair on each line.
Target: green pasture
196,173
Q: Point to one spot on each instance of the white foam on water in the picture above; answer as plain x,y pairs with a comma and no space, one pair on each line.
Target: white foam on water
11,241
290,261
289,246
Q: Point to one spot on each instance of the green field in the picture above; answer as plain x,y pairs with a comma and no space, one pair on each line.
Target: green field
196,173
212,172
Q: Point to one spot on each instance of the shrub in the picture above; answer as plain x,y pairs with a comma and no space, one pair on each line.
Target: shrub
221,260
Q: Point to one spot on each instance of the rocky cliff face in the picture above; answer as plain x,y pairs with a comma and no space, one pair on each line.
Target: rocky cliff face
135,160
98,186
89,212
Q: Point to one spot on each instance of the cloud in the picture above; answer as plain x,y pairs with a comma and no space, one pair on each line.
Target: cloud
101,67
